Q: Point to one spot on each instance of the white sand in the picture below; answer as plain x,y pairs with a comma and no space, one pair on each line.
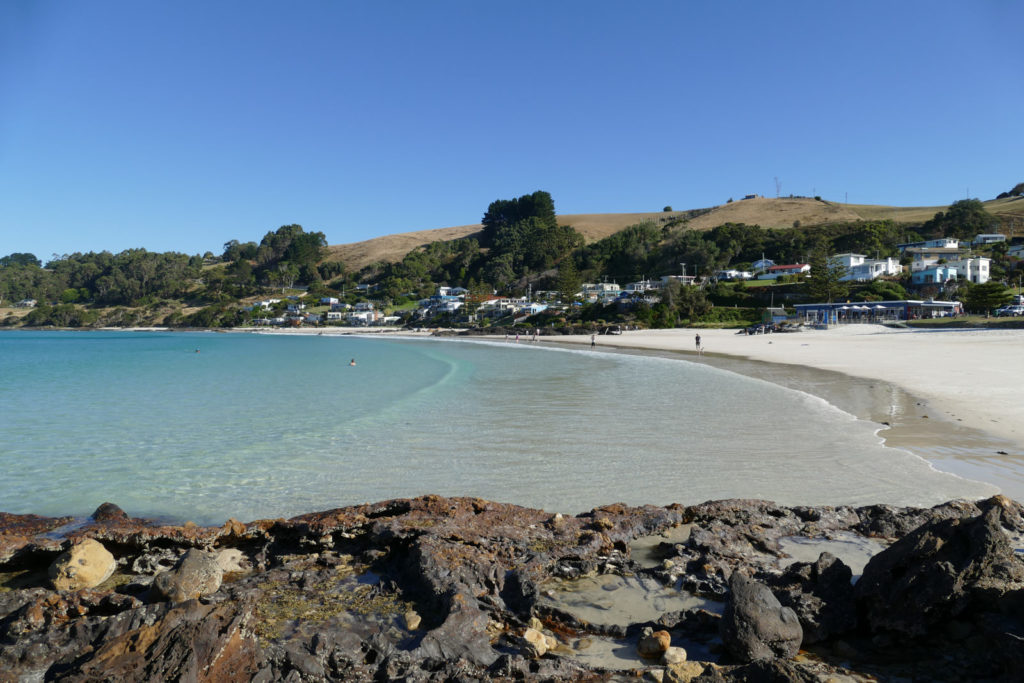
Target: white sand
971,376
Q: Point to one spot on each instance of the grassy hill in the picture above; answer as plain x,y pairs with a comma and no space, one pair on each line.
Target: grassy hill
768,213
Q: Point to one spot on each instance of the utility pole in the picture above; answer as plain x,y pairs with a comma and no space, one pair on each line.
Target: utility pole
778,187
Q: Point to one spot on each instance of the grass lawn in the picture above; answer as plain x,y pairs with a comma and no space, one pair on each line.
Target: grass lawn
967,321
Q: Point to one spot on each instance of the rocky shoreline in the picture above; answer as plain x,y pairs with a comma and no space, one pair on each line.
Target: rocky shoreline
439,588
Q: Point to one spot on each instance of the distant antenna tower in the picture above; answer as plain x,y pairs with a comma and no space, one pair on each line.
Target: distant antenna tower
778,187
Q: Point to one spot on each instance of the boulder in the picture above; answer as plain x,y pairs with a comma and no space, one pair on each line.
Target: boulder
683,672
755,625
952,568
86,565
108,512
653,644
196,574
673,656
535,645
232,561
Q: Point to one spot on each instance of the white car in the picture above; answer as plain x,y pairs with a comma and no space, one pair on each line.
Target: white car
1010,310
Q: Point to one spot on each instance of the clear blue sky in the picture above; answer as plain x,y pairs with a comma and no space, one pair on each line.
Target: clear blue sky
177,126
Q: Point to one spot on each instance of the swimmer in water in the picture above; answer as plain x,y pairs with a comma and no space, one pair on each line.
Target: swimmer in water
352,362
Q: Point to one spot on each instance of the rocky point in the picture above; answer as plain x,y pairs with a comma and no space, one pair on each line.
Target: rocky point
439,588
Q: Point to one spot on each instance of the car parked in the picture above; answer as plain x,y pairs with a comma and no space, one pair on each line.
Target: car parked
1014,310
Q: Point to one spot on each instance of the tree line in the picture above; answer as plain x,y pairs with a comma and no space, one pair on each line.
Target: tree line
521,245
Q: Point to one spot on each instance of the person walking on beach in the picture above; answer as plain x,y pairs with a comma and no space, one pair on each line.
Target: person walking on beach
700,349
593,340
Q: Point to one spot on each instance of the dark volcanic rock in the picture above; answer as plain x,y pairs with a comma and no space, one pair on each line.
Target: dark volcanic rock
945,569
755,625
821,595
327,593
108,512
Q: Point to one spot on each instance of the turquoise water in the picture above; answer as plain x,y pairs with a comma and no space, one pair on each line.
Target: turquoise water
276,425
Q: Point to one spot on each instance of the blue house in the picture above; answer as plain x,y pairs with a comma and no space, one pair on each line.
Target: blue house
936,275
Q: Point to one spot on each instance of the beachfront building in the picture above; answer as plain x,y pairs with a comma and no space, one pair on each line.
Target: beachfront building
859,268
876,311
775,272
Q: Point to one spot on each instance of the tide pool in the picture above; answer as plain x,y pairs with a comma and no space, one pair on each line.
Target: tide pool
261,426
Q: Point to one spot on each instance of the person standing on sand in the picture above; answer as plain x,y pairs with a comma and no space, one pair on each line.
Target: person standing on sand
593,340
698,342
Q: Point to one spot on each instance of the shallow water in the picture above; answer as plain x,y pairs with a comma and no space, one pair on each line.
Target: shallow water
276,425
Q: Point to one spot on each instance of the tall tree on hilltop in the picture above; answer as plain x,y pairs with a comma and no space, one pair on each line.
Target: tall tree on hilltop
963,220
504,213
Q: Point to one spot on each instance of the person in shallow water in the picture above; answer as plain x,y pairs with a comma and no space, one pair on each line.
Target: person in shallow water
352,362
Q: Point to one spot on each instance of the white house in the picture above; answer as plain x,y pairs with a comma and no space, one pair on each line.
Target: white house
975,269
733,274
335,315
329,300
25,303
642,286
941,243
600,291
859,268
989,238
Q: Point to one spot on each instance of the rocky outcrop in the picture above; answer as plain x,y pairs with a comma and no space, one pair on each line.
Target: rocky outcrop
755,625
821,594
944,570
439,588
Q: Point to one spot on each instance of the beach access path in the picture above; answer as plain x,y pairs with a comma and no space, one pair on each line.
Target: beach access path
973,377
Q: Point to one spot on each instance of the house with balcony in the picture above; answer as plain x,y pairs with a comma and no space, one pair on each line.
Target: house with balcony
859,268
934,275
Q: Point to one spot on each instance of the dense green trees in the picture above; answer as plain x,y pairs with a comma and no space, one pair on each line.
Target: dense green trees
984,298
20,259
963,219
524,234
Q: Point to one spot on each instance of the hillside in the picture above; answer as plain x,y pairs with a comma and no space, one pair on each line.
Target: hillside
766,212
